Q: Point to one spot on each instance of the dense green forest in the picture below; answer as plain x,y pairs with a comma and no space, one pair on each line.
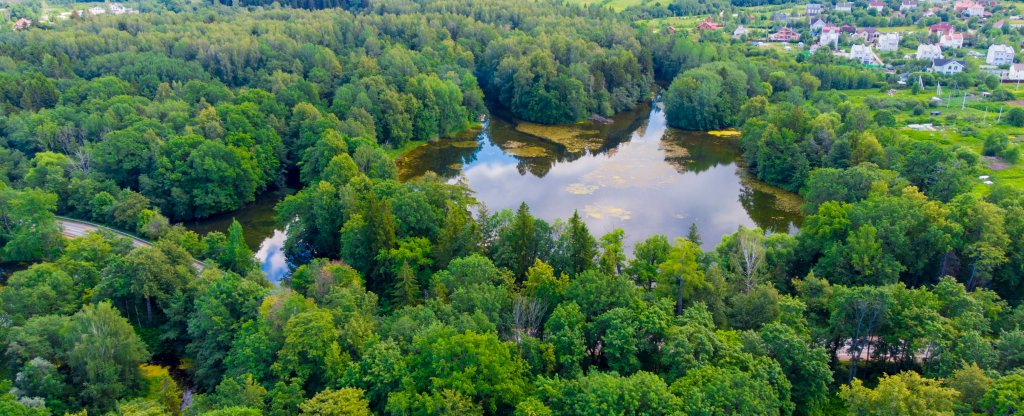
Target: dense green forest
901,295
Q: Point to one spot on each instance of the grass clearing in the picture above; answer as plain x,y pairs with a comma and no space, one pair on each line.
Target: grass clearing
954,120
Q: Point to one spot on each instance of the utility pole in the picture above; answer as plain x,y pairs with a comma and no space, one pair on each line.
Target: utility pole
1000,115
964,103
985,119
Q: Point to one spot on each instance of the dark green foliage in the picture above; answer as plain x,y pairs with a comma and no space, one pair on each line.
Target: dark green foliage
404,301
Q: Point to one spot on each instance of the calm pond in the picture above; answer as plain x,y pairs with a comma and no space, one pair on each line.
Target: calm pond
633,173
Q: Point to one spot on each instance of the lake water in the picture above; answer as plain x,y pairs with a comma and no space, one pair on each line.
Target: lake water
261,232
633,173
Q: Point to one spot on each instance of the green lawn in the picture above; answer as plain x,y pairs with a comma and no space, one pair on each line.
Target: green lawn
951,121
617,5
901,29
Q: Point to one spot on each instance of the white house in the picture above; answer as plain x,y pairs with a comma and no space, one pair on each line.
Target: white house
999,55
813,9
889,42
740,32
1016,73
864,55
908,5
830,35
947,66
952,40
969,8
817,25
877,6
116,8
95,11
844,7
928,52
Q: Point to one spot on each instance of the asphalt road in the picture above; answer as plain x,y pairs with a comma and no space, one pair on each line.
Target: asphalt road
74,229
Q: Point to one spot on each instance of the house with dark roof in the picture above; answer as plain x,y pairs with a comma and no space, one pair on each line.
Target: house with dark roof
869,34
947,66
941,28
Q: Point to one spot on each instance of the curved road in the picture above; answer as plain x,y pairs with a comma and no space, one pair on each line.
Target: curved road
72,228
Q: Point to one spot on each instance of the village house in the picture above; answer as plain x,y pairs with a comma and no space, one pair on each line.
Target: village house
999,55
876,6
22,24
941,28
908,5
848,28
1016,73
118,9
96,11
830,36
740,32
813,9
947,66
708,24
869,34
928,52
969,8
975,10
952,41
780,17
846,7
785,35
999,24
889,42
864,55
817,25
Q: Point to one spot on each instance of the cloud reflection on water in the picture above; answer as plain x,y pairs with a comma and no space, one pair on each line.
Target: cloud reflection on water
634,184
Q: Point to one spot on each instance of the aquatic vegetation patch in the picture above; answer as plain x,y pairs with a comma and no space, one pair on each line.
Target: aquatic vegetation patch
465,144
575,138
602,211
521,149
631,175
581,188
784,200
673,150
725,133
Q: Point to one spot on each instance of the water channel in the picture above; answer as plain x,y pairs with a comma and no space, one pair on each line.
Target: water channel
631,172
